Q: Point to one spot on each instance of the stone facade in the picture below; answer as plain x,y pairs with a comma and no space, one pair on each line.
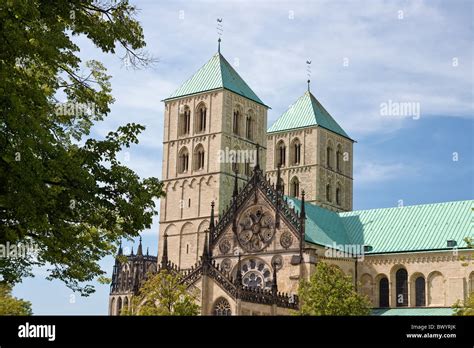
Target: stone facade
327,181
185,209
249,257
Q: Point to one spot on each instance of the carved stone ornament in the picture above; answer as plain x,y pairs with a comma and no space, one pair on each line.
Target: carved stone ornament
225,246
286,240
226,265
277,262
256,230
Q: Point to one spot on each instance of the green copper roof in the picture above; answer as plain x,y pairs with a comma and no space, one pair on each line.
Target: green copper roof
411,228
307,111
216,73
389,230
322,226
422,311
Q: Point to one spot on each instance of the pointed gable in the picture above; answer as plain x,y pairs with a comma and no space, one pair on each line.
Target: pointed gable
215,74
246,197
307,111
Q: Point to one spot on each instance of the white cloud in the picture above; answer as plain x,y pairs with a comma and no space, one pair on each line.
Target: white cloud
373,172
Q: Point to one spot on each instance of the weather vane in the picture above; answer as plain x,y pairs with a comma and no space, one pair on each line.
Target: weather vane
220,30
308,71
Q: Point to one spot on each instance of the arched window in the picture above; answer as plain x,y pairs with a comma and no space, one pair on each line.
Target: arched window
471,283
339,158
236,122
201,112
249,126
329,157
222,307
328,193
183,160
295,187
112,306
420,298
436,290
119,305
383,293
199,157
338,194
185,121
125,303
281,154
295,152
401,280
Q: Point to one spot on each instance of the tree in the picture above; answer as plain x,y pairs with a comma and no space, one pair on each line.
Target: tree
67,194
10,305
163,294
330,292
469,245
466,309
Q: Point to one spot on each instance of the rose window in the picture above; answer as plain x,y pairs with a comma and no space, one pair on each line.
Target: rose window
256,230
256,274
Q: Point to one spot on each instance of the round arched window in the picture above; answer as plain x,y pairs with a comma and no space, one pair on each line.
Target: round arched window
222,307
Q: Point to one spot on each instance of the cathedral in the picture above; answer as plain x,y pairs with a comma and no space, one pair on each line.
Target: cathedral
250,210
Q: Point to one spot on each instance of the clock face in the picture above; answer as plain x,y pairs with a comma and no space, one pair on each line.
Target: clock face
256,229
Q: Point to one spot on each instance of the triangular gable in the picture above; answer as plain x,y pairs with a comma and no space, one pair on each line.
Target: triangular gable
258,184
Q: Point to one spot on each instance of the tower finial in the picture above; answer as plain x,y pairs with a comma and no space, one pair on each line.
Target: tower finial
257,165
164,256
308,71
211,223
236,185
278,183
140,250
303,209
274,280
120,251
220,29
238,276
206,256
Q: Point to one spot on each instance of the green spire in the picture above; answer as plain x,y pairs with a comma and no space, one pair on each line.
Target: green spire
307,111
215,74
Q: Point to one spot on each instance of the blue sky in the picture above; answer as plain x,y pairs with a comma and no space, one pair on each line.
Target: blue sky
403,51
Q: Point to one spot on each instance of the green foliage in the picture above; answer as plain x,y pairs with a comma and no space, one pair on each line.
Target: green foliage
10,305
163,294
330,292
470,245
68,194
466,309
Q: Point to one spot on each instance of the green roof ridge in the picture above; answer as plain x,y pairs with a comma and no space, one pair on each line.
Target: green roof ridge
216,73
423,227
307,111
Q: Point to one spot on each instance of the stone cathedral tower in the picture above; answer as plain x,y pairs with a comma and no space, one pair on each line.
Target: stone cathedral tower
314,154
211,114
